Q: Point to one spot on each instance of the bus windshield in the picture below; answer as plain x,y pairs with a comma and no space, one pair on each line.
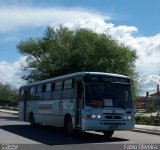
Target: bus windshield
108,95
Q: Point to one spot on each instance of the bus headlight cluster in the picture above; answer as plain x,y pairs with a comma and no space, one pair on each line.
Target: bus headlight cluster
127,117
96,116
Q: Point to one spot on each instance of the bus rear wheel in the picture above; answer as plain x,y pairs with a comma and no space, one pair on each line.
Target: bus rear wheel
108,133
68,126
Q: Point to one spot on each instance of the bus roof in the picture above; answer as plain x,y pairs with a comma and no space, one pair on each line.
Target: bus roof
74,75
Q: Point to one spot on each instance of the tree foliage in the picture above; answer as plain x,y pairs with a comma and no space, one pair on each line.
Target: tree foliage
62,51
8,95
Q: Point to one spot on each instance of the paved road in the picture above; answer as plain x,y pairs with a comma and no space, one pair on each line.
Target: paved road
13,131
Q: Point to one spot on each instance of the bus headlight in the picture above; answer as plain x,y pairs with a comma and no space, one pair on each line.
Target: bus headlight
96,116
127,117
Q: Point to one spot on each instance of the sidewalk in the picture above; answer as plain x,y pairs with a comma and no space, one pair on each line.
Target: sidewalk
147,114
147,129
9,111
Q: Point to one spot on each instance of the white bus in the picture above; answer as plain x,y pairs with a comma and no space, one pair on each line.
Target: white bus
87,101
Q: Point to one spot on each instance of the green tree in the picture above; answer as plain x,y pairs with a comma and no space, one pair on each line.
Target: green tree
150,107
8,95
62,51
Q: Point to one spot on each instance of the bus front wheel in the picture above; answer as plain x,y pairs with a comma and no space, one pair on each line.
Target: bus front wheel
68,126
108,133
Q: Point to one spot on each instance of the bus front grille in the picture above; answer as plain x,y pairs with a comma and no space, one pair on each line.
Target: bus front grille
113,117
112,123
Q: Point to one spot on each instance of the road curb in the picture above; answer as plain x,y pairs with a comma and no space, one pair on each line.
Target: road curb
145,130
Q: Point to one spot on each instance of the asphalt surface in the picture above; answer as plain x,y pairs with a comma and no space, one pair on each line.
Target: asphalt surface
13,131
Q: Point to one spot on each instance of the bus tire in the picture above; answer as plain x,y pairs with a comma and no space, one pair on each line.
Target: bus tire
68,125
32,120
108,134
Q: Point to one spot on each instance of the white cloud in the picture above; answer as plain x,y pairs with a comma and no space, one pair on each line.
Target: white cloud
15,16
96,24
11,72
149,84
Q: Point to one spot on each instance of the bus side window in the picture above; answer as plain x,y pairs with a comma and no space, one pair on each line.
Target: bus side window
24,94
53,87
57,91
32,93
48,87
21,95
47,92
39,93
68,91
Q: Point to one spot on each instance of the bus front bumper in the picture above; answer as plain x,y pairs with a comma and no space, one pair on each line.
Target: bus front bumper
104,125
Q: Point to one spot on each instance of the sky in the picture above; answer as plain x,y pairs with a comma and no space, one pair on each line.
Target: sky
132,22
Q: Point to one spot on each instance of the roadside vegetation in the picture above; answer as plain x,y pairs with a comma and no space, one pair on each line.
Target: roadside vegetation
150,115
148,120
8,96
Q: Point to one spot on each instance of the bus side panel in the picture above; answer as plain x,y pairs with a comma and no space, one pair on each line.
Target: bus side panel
46,112
53,112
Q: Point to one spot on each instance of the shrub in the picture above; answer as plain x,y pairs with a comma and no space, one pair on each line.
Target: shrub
152,120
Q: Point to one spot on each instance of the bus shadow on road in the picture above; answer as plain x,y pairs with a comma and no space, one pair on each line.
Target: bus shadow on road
55,136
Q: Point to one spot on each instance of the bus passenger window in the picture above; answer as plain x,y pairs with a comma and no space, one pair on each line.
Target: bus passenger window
58,85
48,87
57,92
68,91
47,92
32,93
39,93
21,97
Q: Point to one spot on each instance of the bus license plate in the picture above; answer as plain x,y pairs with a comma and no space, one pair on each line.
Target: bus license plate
113,127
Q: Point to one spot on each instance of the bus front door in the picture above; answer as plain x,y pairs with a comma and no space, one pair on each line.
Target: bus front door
79,103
